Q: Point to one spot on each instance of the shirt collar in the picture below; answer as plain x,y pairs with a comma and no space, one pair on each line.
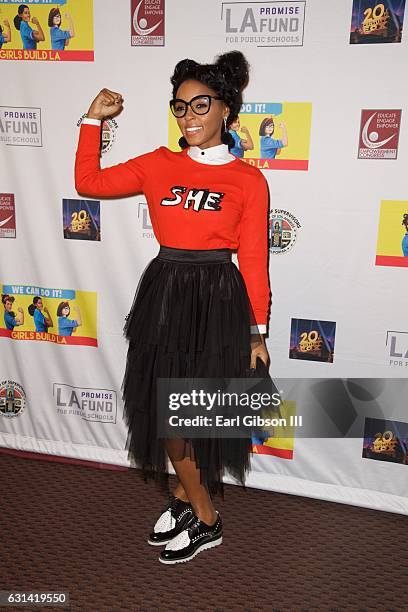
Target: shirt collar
212,155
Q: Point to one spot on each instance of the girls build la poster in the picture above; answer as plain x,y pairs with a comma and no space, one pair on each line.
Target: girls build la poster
61,30
267,135
61,316
392,242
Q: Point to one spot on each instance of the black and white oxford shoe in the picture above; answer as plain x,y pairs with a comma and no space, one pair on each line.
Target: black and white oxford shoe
172,520
195,537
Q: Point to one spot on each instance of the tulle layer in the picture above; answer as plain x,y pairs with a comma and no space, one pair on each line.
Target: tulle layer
189,318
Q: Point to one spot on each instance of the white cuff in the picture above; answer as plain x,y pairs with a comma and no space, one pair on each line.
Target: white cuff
89,121
258,329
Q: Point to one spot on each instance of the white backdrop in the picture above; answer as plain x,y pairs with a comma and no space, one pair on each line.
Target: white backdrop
329,274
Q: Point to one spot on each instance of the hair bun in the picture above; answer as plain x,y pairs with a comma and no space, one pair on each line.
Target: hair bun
234,68
182,67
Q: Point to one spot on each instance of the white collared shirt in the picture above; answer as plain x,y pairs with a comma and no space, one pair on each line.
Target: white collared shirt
216,156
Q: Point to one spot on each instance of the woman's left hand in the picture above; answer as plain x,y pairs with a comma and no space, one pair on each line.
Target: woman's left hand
258,349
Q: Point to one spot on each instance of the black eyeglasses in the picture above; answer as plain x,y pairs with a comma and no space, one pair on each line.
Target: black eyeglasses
200,105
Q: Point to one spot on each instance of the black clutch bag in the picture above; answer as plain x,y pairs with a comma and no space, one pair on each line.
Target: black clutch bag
259,371
264,385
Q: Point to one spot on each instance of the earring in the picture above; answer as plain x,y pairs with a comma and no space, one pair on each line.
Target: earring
182,143
226,136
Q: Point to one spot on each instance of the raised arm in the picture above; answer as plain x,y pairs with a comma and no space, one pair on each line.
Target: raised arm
78,314
248,143
20,317
38,34
284,134
7,31
71,29
122,179
48,318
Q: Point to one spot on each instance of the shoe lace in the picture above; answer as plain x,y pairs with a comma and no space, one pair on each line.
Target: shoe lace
173,503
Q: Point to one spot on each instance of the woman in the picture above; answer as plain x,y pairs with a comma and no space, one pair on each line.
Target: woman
10,319
67,326
270,147
240,144
41,321
191,314
29,37
59,38
404,243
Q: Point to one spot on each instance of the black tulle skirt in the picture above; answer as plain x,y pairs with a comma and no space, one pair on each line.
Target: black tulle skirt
190,318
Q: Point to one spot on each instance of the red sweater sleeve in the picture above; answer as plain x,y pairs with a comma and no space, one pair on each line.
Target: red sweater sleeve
122,179
253,248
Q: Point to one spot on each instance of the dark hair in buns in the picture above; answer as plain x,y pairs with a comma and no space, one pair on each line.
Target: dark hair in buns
227,77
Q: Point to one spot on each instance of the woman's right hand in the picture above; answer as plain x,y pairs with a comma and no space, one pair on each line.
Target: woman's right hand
106,104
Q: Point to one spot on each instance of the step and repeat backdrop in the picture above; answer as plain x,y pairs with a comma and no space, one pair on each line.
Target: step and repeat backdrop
324,119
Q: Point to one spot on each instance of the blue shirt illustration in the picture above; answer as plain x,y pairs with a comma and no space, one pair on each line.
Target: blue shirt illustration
65,326
260,437
39,321
2,39
269,146
405,245
237,149
58,38
9,321
27,36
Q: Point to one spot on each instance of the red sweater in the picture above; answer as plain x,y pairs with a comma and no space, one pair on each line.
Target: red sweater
191,205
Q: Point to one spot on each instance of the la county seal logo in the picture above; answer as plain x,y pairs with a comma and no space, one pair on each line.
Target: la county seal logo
283,227
12,399
108,133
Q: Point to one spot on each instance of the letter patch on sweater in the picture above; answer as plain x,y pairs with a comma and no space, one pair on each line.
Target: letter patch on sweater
197,199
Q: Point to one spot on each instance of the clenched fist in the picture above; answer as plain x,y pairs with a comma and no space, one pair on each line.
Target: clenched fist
106,104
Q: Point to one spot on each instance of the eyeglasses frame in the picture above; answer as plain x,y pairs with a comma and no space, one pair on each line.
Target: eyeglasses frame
188,104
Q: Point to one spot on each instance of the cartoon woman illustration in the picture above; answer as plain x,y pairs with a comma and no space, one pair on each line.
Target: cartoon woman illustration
67,326
10,319
276,235
241,144
29,36
5,35
269,146
405,238
41,322
59,38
